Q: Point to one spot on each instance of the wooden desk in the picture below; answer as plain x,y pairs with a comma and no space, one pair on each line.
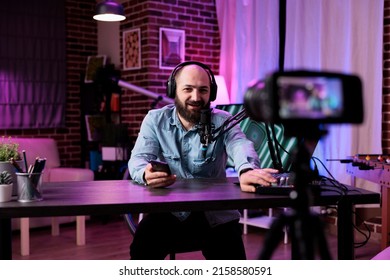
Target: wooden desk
378,172
118,197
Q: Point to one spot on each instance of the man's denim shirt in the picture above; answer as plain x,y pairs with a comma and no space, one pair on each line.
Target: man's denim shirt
163,137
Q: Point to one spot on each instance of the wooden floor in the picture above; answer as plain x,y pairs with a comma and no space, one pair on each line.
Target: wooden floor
108,239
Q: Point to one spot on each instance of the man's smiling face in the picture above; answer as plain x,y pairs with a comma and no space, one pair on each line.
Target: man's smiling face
192,93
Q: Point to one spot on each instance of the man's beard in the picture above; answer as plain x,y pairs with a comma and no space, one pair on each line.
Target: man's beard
190,116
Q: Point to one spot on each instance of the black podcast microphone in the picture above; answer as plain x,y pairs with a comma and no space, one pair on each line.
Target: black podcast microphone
204,129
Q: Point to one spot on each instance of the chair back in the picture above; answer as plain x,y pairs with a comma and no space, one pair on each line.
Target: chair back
257,133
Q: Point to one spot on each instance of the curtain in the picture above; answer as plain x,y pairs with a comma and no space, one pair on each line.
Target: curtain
332,35
343,36
249,42
32,64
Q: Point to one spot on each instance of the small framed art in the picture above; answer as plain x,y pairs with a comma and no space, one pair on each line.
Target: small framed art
93,64
132,49
95,125
172,47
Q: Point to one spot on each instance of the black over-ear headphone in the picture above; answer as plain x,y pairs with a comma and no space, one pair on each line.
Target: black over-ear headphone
171,84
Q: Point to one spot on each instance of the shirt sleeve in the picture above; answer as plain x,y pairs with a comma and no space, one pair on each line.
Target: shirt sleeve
145,149
241,150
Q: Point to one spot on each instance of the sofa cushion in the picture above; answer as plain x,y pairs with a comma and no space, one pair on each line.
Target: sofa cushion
62,174
40,147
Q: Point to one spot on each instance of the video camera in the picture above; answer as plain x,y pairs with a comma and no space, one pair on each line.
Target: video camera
306,98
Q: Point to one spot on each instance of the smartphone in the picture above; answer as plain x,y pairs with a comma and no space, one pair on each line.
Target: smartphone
160,166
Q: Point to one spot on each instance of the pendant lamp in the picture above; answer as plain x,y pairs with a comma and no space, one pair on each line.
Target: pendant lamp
109,10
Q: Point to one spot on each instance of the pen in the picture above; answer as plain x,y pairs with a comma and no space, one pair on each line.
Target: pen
39,165
35,167
25,160
16,165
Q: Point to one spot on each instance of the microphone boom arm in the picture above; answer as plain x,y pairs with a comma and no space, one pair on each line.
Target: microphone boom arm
145,92
230,123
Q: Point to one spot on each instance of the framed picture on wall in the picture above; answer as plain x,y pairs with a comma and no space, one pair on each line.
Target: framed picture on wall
93,64
171,48
131,49
95,125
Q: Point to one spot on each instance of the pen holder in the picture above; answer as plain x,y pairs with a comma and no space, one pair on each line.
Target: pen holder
29,187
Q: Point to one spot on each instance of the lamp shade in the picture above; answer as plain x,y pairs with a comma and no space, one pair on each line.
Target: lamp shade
109,11
222,94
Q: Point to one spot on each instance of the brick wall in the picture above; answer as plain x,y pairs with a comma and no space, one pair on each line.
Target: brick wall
199,21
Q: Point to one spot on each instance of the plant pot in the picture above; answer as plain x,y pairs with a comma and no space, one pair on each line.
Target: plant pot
5,165
6,192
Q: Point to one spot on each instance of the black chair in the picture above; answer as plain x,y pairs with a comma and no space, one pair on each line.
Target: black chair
132,223
185,248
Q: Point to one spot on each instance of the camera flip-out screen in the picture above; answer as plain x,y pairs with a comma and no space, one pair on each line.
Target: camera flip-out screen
310,97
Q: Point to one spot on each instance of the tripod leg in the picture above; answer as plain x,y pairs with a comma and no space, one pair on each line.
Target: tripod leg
321,240
273,237
302,238
308,238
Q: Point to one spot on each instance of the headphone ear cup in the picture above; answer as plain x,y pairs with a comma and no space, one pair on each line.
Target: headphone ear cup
171,88
213,91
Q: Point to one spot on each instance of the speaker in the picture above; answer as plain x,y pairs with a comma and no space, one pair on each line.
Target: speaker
171,83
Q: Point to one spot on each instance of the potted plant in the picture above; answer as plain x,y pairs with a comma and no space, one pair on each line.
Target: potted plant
9,152
6,186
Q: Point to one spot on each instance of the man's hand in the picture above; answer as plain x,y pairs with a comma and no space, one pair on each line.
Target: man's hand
257,176
157,179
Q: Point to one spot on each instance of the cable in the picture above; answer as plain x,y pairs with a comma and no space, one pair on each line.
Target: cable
332,179
277,144
345,189
276,162
366,236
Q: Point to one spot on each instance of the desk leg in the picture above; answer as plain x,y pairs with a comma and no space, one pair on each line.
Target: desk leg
345,237
5,239
80,230
385,217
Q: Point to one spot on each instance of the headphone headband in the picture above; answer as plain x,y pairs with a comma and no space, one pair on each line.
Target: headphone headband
171,83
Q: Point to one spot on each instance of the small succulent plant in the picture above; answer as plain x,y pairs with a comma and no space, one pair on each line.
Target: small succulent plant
5,178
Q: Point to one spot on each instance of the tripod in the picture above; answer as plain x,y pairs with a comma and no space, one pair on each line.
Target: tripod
305,228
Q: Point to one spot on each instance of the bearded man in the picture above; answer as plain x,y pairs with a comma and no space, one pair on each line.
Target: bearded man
170,134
